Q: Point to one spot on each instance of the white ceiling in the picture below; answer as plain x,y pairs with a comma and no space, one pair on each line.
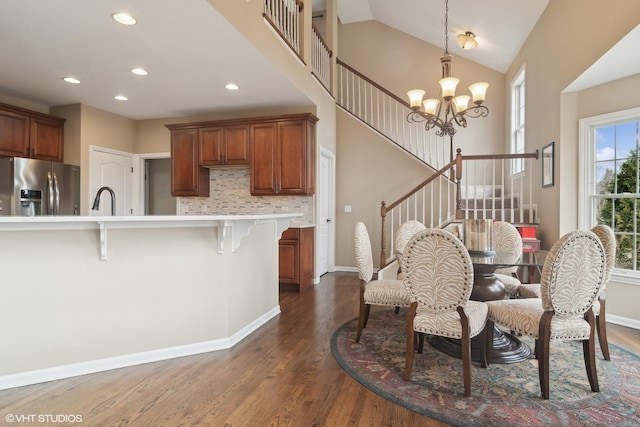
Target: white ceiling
191,52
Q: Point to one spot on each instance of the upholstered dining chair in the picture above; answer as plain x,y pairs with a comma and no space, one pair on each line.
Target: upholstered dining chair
571,278
439,279
377,292
403,234
507,243
608,240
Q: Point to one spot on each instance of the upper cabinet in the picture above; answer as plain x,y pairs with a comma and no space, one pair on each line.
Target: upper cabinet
220,145
25,133
283,156
279,150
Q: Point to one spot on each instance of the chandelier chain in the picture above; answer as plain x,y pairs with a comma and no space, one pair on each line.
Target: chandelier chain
446,27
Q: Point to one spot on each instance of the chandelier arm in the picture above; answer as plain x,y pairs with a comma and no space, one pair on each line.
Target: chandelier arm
477,111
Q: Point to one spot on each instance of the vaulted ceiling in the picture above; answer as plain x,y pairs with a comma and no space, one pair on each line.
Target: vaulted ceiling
191,51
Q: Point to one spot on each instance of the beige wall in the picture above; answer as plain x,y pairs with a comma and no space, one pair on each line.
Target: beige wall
555,54
369,170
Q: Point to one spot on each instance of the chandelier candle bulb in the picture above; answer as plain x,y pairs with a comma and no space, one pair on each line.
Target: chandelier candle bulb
415,97
479,91
431,106
448,86
462,102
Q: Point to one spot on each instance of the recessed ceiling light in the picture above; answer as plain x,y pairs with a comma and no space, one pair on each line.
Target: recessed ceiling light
231,86
124,18
139,71
121,98
71,80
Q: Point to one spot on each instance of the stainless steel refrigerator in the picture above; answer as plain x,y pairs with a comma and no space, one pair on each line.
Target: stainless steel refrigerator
30,187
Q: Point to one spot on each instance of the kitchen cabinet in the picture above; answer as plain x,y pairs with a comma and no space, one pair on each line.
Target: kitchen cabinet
283,156
25,133
280,152
296,259
188,178
223,145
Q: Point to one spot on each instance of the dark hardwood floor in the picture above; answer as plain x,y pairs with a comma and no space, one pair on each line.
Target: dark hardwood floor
282,375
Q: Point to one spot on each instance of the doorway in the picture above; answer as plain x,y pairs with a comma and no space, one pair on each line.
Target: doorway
326,209
157,188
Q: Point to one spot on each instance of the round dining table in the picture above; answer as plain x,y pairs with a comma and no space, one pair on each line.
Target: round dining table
507,348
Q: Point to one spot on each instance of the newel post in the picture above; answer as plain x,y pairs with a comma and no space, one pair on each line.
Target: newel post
458,166
383,246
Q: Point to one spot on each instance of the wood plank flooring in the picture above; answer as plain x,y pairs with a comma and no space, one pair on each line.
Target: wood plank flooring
282,375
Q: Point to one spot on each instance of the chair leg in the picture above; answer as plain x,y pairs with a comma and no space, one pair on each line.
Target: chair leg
361,314
408,365
589,352
542,349
420,342
397,310
483,346
367,309
466,352
488,344
601,328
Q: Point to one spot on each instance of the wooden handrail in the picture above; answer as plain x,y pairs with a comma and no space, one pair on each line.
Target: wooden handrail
372,83
384,209
500,156
315,30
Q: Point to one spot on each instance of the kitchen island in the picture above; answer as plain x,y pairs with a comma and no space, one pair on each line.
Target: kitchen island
87,294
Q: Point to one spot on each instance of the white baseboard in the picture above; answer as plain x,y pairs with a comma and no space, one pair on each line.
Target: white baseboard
346,269
623,321
100,365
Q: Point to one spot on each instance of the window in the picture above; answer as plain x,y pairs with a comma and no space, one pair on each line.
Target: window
517,122
610,182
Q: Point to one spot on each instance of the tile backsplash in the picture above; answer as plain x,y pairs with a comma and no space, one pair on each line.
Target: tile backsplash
229,195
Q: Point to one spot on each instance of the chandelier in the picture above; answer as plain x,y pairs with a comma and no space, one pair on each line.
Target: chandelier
449,110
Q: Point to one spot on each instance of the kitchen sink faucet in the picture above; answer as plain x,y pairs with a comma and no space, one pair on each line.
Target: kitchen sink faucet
96,201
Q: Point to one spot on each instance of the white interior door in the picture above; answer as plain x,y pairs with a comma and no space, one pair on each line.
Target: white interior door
325,217
113,169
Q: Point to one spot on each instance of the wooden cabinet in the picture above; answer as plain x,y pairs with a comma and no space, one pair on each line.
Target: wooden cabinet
296,259
220,145
283,156
281,152
187,177
25,133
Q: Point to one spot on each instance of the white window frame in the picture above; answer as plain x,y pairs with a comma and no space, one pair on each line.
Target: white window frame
518,100
587,178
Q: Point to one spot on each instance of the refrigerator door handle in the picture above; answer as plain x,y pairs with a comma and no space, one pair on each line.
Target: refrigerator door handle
50,187
56,206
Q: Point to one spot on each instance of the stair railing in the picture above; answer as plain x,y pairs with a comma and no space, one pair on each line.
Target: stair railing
486,190
387,114
285,16
321,59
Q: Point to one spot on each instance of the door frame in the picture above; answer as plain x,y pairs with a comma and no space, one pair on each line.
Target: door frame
139,187
331,192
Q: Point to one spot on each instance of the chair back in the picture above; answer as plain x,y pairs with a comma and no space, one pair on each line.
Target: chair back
608,240
364,257
507,244
403,234
438,271
572,274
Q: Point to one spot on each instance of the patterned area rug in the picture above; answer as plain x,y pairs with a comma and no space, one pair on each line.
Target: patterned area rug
501,395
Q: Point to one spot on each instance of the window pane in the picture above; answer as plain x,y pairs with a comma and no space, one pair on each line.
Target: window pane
605,143
627,252
626,140
626,176
605,177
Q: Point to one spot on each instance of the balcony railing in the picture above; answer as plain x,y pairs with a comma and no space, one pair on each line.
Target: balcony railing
321,60
284,16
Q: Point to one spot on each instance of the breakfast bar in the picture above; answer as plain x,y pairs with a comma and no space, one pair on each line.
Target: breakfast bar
84,294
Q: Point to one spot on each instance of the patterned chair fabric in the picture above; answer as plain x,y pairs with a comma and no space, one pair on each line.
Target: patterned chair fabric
376,292
403,234
571,279
507,243
439,280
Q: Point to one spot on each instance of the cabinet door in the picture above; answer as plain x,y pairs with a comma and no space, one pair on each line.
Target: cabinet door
46,140
288,262
210,146
187,178
14,134
264,160
236,150
292,157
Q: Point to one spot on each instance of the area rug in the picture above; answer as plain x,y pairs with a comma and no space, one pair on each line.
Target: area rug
501,395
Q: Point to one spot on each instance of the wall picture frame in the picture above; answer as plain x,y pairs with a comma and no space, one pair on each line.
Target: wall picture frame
547,165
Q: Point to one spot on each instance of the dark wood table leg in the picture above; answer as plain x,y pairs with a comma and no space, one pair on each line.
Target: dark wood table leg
506,347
